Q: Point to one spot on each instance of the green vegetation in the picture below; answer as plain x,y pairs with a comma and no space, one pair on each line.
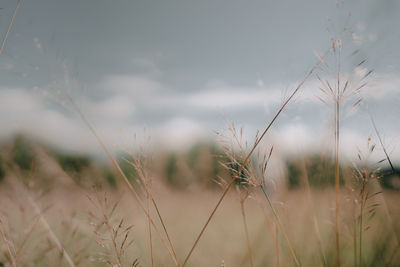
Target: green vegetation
390,179
72,163
22,152
2,171
110,178
318,169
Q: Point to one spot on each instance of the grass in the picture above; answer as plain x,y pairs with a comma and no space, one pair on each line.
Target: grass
3,42
225,239
256,225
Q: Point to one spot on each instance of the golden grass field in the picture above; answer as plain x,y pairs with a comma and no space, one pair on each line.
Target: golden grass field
42,222
196,209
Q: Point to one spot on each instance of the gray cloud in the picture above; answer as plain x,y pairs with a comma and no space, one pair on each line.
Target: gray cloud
182,68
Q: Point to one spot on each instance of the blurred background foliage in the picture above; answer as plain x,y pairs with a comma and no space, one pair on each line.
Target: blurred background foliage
199,166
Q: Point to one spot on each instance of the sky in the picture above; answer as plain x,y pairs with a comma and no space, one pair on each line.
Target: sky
183,69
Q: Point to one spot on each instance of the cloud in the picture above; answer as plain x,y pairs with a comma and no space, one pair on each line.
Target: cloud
17,101
130,98
233,98
117,108
131,85
180,132
294,138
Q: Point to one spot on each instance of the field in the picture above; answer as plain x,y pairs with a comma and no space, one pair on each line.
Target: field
49,218
281,195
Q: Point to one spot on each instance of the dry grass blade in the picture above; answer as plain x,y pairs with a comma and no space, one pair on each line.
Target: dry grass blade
337,175
116,165
364,177
246,231
139,169
52,235
46,225
10,246
389,262
381,142
274,233
242,166
150,236
3,43
281,228
315,220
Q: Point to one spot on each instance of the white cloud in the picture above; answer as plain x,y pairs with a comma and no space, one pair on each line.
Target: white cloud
24,110
225,97
295,138
231,98
16,101
115,109
180,132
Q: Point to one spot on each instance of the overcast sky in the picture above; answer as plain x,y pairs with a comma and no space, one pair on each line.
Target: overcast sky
184,68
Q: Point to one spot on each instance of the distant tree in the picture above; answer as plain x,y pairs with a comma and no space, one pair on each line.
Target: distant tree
22,152
390,179
2,171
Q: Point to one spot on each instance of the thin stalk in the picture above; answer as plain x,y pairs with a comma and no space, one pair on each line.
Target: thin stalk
361,225
337,174
3,43
336,117
133,191
281,228
150,237
277,245
150,195
316,224
27,236
246,161
247,233
52,235
355,235
381,142
10,246
383,197
274,233
389,262
114,242
162,223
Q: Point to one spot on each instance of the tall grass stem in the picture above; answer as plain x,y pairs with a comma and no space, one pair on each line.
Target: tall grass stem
133,191
3,43
240,169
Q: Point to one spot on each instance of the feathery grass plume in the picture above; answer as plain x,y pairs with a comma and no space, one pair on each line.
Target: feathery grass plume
388,215
112,234
250,179
14,239
337,87
365,196
234,148
141,164
40,214
247,158
68,101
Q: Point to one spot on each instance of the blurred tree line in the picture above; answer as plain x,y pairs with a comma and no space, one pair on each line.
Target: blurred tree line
198,166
